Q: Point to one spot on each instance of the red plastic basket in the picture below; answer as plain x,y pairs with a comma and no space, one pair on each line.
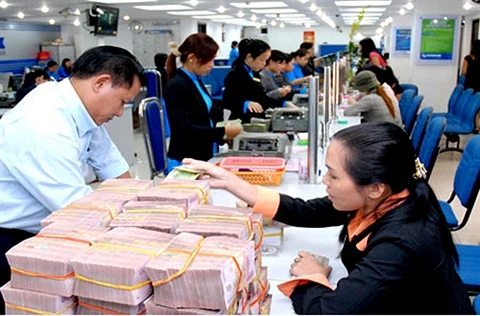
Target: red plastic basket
256,170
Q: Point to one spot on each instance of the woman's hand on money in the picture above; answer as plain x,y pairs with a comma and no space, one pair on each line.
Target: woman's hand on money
306,263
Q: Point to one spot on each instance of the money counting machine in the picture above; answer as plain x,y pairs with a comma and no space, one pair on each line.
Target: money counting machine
261,145
290,120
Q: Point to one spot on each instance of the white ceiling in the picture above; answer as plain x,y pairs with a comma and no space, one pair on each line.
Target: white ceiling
300,8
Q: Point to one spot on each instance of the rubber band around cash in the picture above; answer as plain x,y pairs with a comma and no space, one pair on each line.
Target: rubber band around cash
36,311
106,310
41,275
202,191
134,249
154,210
262,295
88,242
192,257
95,208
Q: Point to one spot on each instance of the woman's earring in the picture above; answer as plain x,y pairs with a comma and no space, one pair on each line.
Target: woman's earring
191,60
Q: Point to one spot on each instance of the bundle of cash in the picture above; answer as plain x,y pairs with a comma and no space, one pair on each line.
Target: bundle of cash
125,185
219,264
43,263
87,306
229,123
25,302
113,270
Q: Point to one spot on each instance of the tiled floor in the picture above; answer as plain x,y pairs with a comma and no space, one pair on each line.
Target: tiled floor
441,181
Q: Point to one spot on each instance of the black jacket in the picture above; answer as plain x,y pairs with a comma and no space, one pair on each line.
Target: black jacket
240,87
191,133
405,268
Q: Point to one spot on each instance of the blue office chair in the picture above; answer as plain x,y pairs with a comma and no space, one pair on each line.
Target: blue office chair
420,126
411,113
154,89
469,268
430,145
404,102
466,184
452,101
216,79
476,304
151,113
462,120
409,86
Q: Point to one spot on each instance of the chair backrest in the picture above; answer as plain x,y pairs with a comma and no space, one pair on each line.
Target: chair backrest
411,113
404,102
469,112
461,80
154,90
454,97
462,102
151,113
420,126
430,145
409,86
467,176
154,83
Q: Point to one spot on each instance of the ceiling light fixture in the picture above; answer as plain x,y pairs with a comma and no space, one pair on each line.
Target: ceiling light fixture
221,9
258,25
192,12
307,25
379,31
193,3
409,6
313,7
274,11
51,21
3,4
264,21
435,21
358,10
282,25
253,18
126,18
273,23
76,22
77,12
20,15
467,6
44,9
402,11
259,5
167,7
240,14
361,3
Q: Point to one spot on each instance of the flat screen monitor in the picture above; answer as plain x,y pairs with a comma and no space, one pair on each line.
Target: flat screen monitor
15,82
107,23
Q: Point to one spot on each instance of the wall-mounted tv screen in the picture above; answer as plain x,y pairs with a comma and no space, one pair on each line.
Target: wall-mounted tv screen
107,23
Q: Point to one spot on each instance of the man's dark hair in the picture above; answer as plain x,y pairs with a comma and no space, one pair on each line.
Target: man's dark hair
51,63
306,45
234,44
117,62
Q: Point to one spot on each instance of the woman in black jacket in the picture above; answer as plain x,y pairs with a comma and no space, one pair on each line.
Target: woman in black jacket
397,248
192,113
244,94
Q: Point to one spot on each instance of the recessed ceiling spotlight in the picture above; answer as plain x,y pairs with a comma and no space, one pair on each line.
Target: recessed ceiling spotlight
409,6
282,25
3,4
313,7
307,25
273,23
264,21
402,11
126,18
221,9
193,2
44,9
51,21
76,22
253,18
77,11
20,15
303,1
240,14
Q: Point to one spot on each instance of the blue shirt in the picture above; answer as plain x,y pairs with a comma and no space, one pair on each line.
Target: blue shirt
296,73
62,73
54,75
233,56
48,144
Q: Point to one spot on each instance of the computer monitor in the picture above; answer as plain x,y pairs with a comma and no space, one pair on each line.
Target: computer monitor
15,82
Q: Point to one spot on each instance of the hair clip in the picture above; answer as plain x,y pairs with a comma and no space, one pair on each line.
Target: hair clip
420,171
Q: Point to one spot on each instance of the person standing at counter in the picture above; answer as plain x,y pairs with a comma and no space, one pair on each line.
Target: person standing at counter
53,137
233,53
192,113
244,94
397,248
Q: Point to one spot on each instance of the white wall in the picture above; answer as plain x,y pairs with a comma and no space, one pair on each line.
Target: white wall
83,40
214,29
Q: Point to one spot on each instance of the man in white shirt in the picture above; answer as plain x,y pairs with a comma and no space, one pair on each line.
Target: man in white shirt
50,139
